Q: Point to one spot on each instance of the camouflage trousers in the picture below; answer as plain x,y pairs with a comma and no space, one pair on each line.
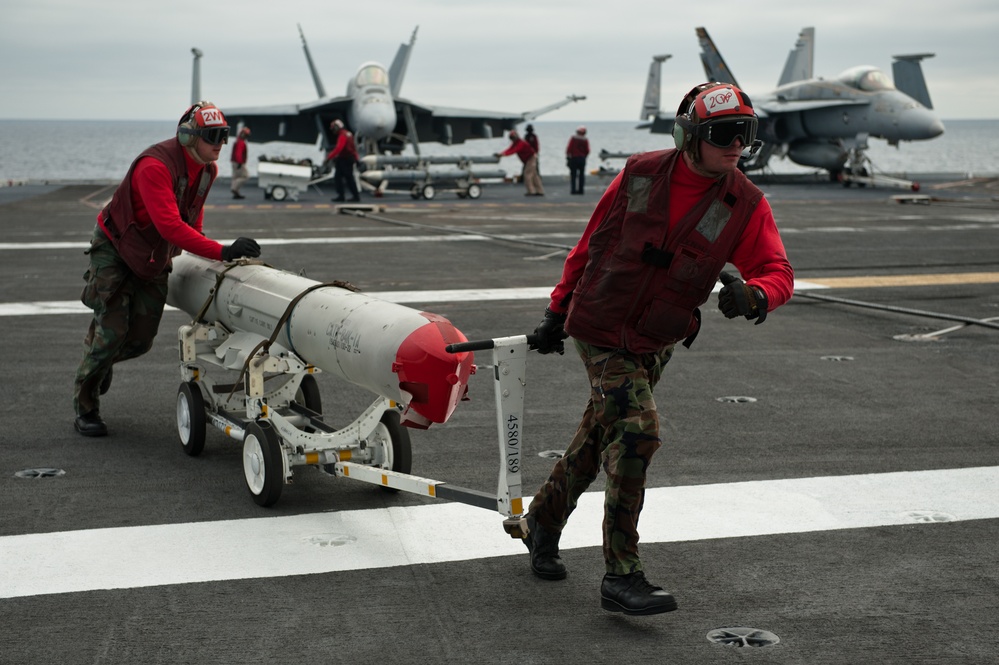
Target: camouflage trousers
620,431
127,312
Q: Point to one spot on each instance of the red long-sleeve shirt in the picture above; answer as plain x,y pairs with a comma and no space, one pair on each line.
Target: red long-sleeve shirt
344,148
239,151
578,147
154,201
759,255
521,148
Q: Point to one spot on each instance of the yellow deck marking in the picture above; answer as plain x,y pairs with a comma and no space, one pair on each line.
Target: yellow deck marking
906,280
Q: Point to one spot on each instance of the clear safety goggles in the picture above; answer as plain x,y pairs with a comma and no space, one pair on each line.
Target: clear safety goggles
723,132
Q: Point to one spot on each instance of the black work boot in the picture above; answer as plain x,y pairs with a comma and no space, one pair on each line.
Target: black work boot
632,594
543,546
91,424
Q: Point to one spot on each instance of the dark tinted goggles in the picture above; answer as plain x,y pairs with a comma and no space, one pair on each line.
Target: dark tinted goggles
213,135
723,132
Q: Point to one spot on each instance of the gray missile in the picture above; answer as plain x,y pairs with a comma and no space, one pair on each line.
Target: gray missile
381,161
420,175
392,350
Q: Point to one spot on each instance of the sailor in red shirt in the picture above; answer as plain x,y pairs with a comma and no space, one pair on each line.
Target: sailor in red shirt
343,156
155,212
630,291
240,174
576,152
529,157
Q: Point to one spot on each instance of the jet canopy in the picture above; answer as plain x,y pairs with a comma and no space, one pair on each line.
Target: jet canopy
372,75
866,78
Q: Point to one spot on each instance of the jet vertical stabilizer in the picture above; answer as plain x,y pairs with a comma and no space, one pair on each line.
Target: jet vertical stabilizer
908,74
196,77
320,90
397,71
650,106
799,61
714,64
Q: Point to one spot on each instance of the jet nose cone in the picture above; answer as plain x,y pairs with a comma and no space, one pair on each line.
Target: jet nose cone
377,121
920,124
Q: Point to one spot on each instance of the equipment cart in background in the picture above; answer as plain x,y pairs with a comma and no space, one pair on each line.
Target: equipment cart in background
283,178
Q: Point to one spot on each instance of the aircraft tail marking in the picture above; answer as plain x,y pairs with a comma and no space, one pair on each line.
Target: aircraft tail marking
799,61
908,75
714,65
650,105
397,72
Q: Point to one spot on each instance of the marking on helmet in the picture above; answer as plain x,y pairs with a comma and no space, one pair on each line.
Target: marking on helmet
212,116
722,99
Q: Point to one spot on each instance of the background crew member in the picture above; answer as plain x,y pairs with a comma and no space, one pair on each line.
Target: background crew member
529,157
240,174
576,153
630,290
155,212
344,157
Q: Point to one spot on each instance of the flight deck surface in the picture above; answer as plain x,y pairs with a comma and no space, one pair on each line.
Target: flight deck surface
830,477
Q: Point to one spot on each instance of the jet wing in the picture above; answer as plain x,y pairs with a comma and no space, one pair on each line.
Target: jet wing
294,123
778,106
450,126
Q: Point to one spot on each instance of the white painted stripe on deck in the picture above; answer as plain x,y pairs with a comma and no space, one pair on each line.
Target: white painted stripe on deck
402,297
268,242
131,557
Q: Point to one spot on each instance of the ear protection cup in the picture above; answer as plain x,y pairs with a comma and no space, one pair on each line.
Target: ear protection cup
683,132
184,134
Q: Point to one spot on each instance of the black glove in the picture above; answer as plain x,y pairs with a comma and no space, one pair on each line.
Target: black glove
736,297
549,334
241,247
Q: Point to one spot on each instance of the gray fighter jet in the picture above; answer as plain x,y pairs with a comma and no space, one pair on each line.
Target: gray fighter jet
374,112
822,123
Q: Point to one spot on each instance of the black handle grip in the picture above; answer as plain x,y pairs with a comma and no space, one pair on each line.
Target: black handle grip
461,347
481,345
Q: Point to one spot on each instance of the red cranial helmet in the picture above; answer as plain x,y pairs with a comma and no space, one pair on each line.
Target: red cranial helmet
203,121
718,113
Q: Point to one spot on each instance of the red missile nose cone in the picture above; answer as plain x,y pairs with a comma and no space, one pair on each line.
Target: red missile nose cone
436,379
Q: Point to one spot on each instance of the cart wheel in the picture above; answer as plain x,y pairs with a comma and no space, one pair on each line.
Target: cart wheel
415,192
308,394
191,418
429,192
263,464
279,193
392,448
474,191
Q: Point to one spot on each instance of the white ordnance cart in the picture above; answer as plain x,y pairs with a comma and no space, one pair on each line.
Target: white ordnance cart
283,178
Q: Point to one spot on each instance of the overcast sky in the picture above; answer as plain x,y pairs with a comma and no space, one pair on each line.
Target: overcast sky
122,59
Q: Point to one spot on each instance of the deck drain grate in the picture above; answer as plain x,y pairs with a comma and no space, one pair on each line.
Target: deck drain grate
737,399
39,473
739,636
551,454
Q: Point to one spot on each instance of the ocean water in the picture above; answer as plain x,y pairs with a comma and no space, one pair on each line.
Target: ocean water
99,150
